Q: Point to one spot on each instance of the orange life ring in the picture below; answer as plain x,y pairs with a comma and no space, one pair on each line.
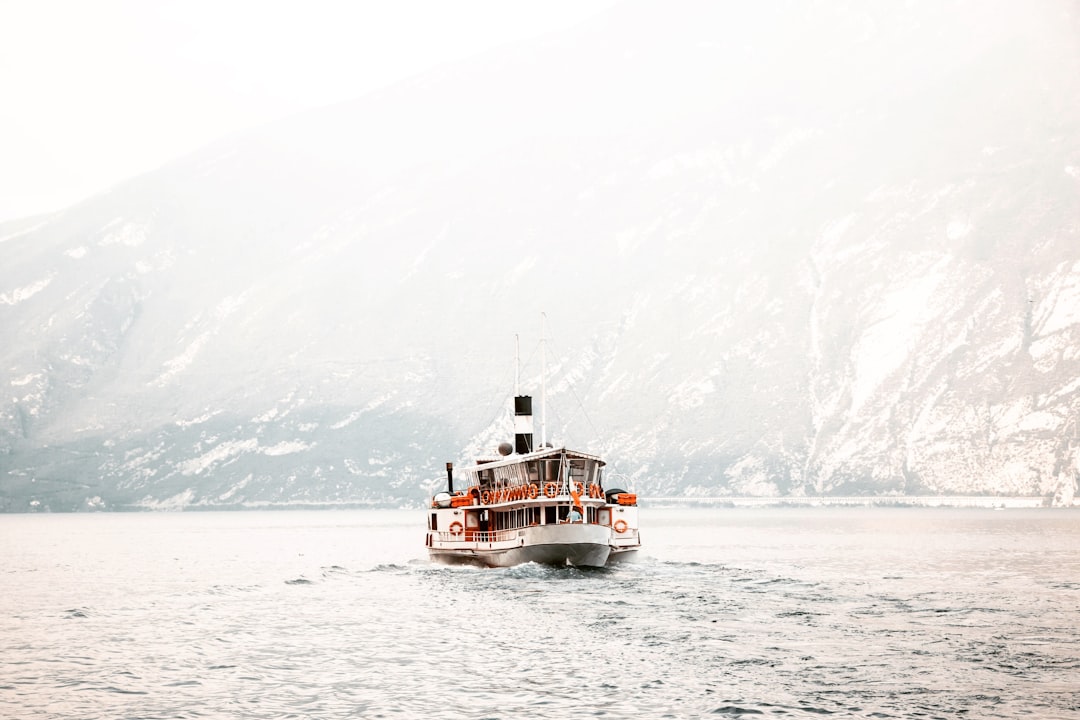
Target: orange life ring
595,491
550,489
519,492
580,486
455,528
619,526
533,491
485,498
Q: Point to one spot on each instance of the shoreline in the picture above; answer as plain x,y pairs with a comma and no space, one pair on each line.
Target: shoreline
955,501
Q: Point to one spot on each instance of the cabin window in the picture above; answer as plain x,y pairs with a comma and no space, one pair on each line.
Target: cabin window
434,521
549,515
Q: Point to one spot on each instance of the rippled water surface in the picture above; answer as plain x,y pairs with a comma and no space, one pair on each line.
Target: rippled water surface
883,613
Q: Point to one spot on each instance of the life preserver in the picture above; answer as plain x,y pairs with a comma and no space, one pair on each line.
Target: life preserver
485,498
550,489
519,492
595,491
455,528
619,526
533,491
580,488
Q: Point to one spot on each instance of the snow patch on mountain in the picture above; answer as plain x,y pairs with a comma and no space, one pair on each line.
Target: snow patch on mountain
181,362
128,234
232,491
357,414
26,379
18,295
199,420
286,448
691,393
1059,306
893,331
219,454
173,503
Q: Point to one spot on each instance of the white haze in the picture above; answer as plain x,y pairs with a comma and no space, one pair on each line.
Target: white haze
92,93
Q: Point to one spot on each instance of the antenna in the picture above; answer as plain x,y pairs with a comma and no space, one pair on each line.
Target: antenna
543,380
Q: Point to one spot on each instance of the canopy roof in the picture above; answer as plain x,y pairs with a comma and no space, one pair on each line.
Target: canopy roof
504,461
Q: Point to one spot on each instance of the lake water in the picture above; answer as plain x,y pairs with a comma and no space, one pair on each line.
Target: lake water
792,612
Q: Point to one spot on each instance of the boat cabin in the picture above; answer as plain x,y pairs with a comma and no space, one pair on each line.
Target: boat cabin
503,495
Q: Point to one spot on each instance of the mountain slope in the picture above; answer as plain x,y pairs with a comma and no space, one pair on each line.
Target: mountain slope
783,250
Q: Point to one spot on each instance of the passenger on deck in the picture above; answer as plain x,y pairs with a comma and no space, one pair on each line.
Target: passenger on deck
574,516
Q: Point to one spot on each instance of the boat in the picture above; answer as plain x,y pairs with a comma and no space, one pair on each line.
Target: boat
526,504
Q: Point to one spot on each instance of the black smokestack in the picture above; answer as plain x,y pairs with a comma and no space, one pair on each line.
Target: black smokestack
523,424
450,478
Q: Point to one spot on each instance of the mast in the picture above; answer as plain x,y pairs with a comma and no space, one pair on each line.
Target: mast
517,366
543,380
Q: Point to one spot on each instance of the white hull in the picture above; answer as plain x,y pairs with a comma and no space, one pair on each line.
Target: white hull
580,545
577,554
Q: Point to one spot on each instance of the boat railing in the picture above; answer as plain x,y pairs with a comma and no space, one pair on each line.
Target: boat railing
470,535
480,535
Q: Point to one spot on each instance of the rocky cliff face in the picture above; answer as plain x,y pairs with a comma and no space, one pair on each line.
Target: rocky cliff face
790,250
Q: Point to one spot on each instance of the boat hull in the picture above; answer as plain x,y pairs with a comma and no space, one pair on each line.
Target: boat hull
579,545
577,554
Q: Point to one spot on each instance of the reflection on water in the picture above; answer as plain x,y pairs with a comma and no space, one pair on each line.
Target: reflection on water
862,612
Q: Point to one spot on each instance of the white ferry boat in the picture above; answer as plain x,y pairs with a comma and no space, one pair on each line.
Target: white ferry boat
546,505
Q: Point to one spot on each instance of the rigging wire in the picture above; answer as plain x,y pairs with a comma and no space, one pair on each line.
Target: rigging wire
580,404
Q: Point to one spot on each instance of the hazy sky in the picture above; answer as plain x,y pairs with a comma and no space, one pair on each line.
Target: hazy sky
95,92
